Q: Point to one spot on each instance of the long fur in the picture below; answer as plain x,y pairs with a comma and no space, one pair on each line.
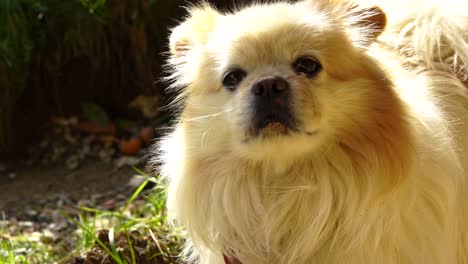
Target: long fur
385,182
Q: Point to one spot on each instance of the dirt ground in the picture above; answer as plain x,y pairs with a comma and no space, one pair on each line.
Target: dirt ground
26,188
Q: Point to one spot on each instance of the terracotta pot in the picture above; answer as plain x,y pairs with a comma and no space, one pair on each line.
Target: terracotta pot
146,134
131,146
93,128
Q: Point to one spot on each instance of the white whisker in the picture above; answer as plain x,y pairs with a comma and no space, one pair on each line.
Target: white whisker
210,115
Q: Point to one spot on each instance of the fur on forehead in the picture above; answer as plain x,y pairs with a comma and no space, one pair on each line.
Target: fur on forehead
364,22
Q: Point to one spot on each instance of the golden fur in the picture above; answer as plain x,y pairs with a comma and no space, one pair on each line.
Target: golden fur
377,171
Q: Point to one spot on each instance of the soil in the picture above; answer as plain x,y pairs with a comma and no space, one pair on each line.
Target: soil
29,187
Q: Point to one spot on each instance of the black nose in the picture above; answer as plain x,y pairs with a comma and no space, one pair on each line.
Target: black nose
271,87
271,103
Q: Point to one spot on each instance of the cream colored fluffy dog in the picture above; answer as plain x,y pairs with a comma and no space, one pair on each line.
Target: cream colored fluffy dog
321,132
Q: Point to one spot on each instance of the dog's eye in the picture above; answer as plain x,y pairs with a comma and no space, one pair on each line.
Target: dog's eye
233,77
307,66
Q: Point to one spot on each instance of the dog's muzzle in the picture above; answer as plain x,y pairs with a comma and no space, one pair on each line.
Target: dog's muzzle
271,106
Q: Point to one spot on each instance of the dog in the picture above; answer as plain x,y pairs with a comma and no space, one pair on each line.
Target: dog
320,131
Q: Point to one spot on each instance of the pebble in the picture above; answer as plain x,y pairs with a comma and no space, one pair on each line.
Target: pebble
72,163
127,161
136,181
31,213
109,204
11,176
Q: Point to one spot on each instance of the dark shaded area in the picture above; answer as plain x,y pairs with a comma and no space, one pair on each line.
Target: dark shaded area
66,53
107,59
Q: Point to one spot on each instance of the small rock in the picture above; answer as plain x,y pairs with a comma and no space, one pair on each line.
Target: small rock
31,213
70,210
109,204
84,151
59,225
84,203
126,161
106,155
72,163
42,218
35,237
136,181
73,121
11,176
4,223
48,236
20,251
121,197
65,198
95,197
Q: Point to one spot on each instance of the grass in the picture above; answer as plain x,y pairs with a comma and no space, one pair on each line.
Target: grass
125,230
23,249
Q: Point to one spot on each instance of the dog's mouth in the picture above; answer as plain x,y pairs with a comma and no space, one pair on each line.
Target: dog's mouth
273,124
274,128
276,125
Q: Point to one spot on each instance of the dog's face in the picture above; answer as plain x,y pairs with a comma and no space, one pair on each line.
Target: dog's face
276,80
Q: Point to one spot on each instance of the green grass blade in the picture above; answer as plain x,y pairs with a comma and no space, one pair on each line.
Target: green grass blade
140,171
90,232
130,246
135,194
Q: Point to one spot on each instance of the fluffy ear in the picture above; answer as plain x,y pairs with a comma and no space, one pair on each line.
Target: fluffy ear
194,30
364,22
372,20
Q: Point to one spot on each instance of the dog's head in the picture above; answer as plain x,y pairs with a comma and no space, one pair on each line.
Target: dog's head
278,79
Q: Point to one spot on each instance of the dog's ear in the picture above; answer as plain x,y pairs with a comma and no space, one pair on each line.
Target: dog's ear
363,21
371,21
194,30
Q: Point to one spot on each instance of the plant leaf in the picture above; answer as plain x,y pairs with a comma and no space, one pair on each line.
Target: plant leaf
95,114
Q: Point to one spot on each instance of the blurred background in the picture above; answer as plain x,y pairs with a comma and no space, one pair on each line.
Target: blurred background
81,101
86,60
